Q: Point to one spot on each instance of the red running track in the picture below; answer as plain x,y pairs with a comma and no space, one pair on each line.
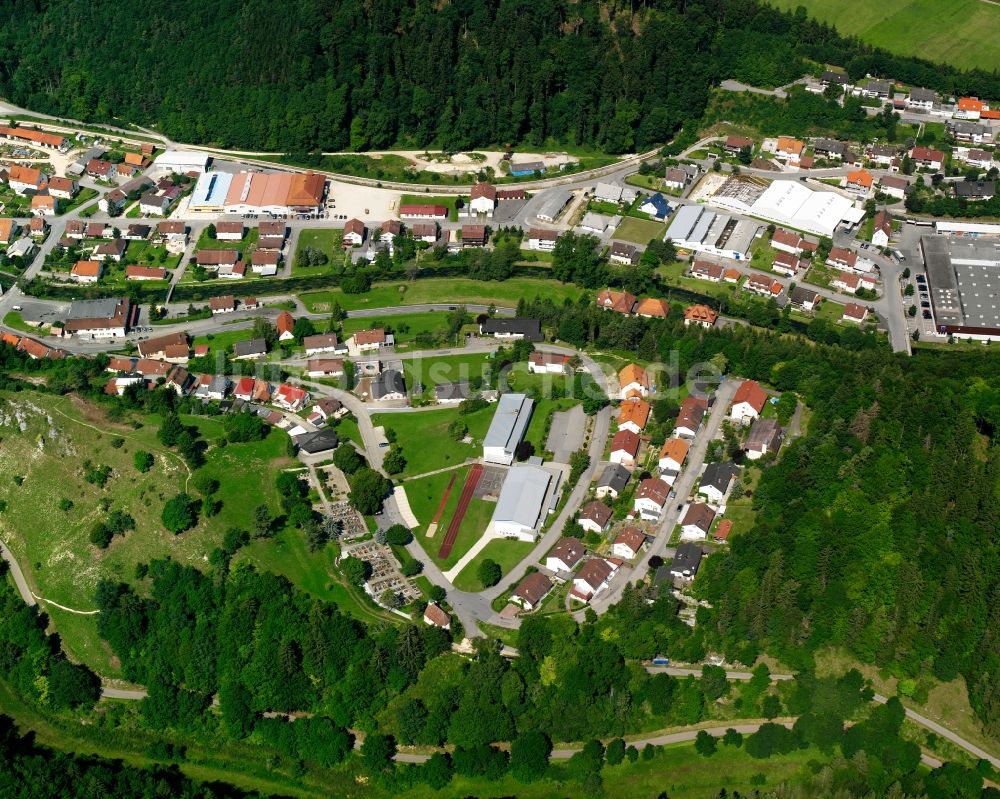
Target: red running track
463,505
444,500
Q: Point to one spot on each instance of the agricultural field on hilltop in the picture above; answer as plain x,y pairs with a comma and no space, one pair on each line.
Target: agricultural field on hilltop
46,441
441,290
956,32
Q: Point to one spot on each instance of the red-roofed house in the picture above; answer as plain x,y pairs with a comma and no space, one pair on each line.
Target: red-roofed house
629,543
291,398
624,448
618,301
633,415
86,271
284,324
699,315
593,578
748,401
595,516
651,498
854,313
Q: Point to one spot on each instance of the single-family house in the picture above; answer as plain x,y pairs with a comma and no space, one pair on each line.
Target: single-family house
253,389
765,436
629,543
37,227
651,498
115,250
428,232
687,559
652,308
697,522
62,188
706,270
673,453
850,282
323,343
172,347
531,590
624,448
633,415
594,517
748,401
249,349
608,193
229,230
854,313
86,271
325,367
964,189
881,229
700,315
541,239
327,408
618,301
101,169
763,285
633,382
23,179
656,205
474,236
389,385
690,416
927,157
786,264
285,325
805,298
291,398
565,555
8,230
717,479
224,303
213,387
734,144
623,254
214,259
548,363
354,233
612,481
265,262
370,340
722,531
593,578
921,99
43,205
860,181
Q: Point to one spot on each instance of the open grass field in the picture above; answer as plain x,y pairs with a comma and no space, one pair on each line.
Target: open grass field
326,239
948,31
423,437
14,320
505,551
431,371
223,342
639,231
46,439
673,275
405,327
438,290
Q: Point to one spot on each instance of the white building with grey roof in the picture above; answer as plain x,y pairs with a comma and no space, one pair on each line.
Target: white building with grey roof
510,422
521,503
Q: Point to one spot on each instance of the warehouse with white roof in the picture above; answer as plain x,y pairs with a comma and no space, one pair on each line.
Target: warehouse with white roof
521,502
182,161
210,192
787,202
699,229
507,428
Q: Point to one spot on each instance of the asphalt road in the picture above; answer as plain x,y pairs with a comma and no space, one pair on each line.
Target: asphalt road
15,569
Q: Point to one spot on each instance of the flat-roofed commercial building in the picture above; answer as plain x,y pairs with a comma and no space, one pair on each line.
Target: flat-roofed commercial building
507,428
210,192
963,273
521,502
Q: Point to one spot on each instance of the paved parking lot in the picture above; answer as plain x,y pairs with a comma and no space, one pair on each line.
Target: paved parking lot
566,433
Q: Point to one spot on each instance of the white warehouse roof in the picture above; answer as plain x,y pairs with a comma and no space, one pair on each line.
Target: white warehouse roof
521,497
792,204
510,421
177,160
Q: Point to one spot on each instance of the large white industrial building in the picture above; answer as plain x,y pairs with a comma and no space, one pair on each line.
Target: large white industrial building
788,203
521,502
698,229
507,428
181,161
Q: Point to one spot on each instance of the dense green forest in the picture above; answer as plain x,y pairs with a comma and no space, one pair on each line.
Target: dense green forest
354,74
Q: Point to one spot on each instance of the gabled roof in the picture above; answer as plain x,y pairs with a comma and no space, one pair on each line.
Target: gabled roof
700,515
533,588
632,537
284,323
436,616
627,441
486,190
597,512
633,373
675,448
569,550
614,476
595,572
650,306
653,489
634,410
719,475
751,393
620,301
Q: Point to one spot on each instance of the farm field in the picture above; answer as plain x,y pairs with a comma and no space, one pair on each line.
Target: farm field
443,289
46,440
949,32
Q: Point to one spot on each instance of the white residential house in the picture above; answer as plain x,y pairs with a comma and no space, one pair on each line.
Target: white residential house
628,544
594,577
651,498
697,522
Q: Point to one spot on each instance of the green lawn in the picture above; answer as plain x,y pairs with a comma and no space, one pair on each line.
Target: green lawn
949,32
448,200
347,428
505,551
406,327
431,371
223,342
425,496
14,320
820,275
673,275
639,231
436,290
326,239
53,545
245,245
149,254
651,182
423,437
85,195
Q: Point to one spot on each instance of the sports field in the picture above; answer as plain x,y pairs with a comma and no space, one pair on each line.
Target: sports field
957,32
